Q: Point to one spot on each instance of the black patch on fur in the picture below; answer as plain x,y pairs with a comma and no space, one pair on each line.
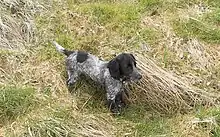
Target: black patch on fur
81,56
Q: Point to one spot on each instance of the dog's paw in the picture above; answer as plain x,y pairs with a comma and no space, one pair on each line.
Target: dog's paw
120,100
114,107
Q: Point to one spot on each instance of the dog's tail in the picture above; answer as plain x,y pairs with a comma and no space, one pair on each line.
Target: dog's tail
61,49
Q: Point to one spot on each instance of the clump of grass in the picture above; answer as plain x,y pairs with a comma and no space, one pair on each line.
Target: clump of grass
144,122
165,93
155,127
214,3
199,29
213,17
16,23
49,127
150,3
119,17
15,102
64,121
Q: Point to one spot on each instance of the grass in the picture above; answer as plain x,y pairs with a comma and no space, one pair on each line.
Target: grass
55,121
205,28
103,28
100,25
59,122
156,127
15,102
214,3
146,122
198,29
203,113
213,17
50,127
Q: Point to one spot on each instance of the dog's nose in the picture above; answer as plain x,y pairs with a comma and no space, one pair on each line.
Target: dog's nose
139,76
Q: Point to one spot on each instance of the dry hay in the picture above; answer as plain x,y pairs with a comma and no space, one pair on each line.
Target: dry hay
195,10
95,127
17,27
163,91
41,75
43,122
166,93
190,126
199,55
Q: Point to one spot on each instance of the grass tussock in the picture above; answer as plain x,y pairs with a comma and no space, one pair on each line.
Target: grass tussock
15,102
61,119
198,21
166,93
59,127
197,28
17,24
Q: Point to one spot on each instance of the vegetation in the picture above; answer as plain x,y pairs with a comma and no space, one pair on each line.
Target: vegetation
176,44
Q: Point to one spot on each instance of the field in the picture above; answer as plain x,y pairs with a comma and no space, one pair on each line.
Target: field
177,46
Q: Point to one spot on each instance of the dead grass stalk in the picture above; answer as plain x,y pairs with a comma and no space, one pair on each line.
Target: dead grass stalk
166,93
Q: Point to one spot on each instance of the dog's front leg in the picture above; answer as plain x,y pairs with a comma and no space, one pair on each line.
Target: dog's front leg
113,107
113,91
72,77
114,102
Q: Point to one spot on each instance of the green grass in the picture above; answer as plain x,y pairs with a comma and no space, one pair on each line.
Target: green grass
198,29
150,3
15,102
150,36
216,132
205,28
203,113
214,3
120,20
155,127
213,17
59,121
146,122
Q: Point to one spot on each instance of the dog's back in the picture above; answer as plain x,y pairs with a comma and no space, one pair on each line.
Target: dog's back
87,64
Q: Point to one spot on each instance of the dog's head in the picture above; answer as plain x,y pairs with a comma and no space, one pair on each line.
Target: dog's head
124,67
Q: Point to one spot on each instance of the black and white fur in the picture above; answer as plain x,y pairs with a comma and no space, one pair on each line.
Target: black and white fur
109,74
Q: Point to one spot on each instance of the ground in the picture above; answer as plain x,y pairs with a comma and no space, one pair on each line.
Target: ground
181,37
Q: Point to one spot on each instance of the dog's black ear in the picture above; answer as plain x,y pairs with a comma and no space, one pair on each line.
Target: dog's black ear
114,70
134,59
133,56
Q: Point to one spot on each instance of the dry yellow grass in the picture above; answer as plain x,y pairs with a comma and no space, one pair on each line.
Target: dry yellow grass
58,112
167,93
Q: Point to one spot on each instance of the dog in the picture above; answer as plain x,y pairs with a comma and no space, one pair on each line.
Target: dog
109,74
